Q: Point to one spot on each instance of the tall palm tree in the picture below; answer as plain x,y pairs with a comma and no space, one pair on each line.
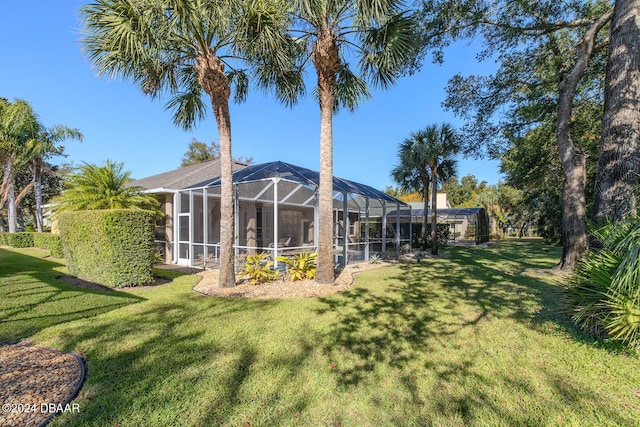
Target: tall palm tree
377,35
45,145
103,187
189,48
424,158
18,127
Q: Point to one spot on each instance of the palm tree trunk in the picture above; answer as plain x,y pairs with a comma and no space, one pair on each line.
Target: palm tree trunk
9,192
213,80
434,213
326,61
37,181
425,220
11,209
617,177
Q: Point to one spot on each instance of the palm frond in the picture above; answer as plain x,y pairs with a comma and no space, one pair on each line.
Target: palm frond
351,90
389,49
187,106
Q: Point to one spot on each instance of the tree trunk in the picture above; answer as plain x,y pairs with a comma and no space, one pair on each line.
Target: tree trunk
617,176
11,209
37,181
574,207
213,80
326,62
434,208
425,219
9,193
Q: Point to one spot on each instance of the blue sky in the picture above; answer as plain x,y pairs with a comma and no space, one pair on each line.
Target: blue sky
42,63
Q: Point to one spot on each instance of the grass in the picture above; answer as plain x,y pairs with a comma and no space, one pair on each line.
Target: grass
472,339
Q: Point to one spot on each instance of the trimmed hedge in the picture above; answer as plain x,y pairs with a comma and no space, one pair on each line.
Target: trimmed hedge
111,247
48,241
17,240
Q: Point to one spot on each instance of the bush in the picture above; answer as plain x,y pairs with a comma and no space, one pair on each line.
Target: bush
603,295
51,242
17,240
258,268
111,247
301,266
47,241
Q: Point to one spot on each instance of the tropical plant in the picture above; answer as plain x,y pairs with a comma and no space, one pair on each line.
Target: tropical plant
381,38
603,295
44,146
189,48
103,187
375,259
424,158
18,127
258,268
300,266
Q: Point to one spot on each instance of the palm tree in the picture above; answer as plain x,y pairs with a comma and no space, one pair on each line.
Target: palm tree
18,127
190,48
424,157
381,38
44,146
103,187
489,199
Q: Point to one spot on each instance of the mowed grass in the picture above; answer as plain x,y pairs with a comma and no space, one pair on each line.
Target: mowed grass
475,338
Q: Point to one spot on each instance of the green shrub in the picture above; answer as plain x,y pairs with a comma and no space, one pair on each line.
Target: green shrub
258,268
603,295
375,259
29,239
301,266
17,240
110,247
55,246
51,242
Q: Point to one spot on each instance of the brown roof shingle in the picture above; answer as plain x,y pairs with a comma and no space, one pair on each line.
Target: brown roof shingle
184,177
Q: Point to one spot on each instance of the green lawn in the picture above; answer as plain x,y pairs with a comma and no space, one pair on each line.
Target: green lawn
472,339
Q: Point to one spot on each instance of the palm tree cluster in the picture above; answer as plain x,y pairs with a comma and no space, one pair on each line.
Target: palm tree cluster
27,145
192,48
424,159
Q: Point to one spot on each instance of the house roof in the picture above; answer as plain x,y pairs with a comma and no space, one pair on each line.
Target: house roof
184,177
448,213
301,175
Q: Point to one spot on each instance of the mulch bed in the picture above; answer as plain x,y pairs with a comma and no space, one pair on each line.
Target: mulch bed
283,288
36,382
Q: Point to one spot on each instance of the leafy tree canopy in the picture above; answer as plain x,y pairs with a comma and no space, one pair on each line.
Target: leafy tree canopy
199,152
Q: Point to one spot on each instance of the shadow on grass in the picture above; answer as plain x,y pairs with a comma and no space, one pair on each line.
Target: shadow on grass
32,298
424,317
183,363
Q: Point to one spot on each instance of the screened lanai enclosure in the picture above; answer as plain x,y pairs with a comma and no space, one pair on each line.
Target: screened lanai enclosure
276,213
468,225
